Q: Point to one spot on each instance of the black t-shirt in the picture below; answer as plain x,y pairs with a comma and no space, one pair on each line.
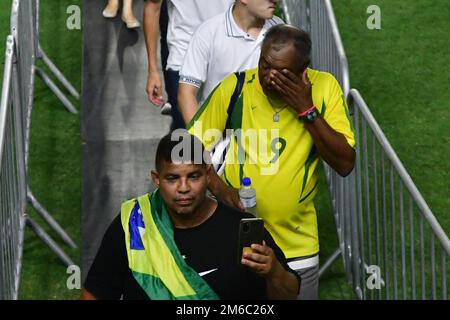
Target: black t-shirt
210,249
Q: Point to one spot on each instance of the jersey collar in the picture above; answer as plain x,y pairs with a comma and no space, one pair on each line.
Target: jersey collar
233,30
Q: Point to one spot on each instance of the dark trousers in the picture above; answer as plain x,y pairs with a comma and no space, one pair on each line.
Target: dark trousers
163,24
172,78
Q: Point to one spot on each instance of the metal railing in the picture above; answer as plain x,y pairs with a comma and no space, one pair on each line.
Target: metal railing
16,107
392,227
388,236
12,180
25,31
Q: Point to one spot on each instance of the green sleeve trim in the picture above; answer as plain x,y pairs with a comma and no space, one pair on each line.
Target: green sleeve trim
349,118
324,107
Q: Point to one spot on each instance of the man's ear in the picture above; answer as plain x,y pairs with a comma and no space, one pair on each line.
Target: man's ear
305,78
155,177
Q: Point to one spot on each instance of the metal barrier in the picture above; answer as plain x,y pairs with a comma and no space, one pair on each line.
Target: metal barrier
24,28
12,180
392,228
15,122
16,107
377,229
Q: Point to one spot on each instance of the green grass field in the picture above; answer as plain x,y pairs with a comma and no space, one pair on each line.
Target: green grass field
401,70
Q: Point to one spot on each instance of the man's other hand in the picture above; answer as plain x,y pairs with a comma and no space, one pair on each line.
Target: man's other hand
154,89
296,91
262,260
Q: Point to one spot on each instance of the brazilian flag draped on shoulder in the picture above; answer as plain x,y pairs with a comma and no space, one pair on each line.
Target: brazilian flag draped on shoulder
153,256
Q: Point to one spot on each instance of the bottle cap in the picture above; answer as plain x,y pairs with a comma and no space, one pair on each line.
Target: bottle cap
246,182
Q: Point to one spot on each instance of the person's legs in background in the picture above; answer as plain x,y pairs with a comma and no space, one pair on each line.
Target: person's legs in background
172,78
128,15
164,49
163,24
111,9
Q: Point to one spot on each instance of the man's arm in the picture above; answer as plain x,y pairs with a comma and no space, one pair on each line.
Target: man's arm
193,72
187,101
224,193
281,284
331,145
152,10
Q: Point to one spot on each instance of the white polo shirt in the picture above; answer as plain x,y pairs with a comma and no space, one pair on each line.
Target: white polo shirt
218,48
184,18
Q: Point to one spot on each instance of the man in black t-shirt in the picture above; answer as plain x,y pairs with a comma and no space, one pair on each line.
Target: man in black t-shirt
205,233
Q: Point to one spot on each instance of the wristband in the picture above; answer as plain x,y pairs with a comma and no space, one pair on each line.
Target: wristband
304,113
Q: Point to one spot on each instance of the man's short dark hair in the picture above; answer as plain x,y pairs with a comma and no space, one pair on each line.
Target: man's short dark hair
283,34
180,146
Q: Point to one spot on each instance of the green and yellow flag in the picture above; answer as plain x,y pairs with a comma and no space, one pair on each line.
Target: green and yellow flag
153,256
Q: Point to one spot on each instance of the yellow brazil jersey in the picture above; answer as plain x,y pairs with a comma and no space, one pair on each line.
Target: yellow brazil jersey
279,157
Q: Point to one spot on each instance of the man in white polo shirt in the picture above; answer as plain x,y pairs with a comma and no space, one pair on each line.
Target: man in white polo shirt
226,43
184,18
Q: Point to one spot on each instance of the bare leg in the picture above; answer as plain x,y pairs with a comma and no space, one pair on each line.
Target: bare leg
111,9
128,16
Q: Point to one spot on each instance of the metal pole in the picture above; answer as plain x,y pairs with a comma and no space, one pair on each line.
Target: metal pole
49,242
377,216
58,74
52,86
433,268
422,257
329,262
394,233
402,242
412,248
50,220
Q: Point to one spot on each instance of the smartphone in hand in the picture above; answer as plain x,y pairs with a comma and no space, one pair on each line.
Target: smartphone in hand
251,230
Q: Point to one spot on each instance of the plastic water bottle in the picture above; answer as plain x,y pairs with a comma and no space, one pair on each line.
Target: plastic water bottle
248,196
